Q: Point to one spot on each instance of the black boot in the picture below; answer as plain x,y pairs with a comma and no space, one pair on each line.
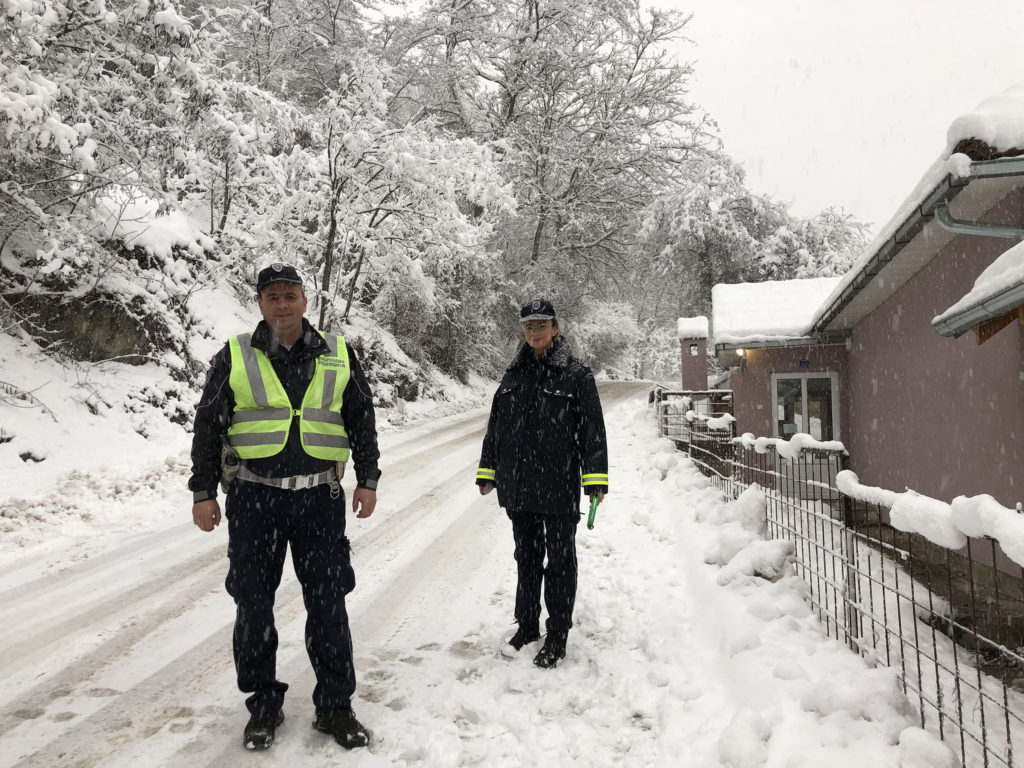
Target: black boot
259,731
553,650
525,635
343,726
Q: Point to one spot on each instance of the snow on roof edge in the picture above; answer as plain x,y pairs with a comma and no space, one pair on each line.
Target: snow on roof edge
997,120
772,310
1003,275
931,179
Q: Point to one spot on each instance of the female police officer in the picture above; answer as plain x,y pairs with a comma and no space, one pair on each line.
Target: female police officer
545,440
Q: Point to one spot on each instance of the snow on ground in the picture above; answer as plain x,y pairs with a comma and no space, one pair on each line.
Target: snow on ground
88,437
665,666
682,655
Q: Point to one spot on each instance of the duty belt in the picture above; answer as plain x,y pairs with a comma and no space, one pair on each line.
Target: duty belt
293,483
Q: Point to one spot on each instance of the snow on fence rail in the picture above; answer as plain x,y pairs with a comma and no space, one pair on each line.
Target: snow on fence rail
933,590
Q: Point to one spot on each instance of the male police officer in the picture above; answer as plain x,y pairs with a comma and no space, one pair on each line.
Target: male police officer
281,407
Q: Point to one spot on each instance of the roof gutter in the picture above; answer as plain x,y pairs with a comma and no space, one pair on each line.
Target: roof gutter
944,191
941,195
994,306
827,340
830,340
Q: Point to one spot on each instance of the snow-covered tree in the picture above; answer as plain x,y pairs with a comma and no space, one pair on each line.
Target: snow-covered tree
709,228
603,333
589,112
697,235
96,99
822,245
392,217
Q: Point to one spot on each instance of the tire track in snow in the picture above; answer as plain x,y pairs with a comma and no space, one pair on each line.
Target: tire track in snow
136,548
422,434
73,605
75,588
203,576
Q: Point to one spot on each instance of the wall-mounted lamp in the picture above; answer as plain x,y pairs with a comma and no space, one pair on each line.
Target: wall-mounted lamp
740,352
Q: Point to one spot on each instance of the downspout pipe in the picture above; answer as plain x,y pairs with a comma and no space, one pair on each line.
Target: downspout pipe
982,229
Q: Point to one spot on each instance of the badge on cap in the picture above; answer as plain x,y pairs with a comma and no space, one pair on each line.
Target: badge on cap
277,267
536,304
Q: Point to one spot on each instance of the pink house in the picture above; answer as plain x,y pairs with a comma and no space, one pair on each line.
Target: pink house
915,358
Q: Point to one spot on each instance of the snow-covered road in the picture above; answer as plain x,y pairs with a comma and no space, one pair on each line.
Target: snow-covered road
116,651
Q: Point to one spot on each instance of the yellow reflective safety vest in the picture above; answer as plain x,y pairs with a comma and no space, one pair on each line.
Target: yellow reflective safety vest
263,414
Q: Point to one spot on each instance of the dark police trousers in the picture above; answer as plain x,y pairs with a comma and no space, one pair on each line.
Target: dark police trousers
554,535
262,522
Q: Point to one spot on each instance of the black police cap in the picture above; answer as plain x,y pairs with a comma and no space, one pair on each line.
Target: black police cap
538,309
277,273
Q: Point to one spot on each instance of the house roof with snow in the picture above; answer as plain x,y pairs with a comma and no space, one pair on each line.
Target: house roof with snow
981,164
760,314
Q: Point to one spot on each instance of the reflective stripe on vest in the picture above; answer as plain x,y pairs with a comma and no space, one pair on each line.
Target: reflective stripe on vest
263,413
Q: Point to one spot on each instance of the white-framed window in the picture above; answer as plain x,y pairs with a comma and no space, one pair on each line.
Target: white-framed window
806,402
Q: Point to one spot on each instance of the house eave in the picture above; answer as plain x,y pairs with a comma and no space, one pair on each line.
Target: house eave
921,229
730,361
957,324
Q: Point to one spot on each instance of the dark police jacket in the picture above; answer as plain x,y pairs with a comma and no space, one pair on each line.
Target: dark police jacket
295,369
545,431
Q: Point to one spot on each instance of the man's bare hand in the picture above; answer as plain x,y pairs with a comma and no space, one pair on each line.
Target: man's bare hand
485,489
206,514
363,502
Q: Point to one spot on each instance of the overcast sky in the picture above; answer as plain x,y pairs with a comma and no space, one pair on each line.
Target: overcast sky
846,104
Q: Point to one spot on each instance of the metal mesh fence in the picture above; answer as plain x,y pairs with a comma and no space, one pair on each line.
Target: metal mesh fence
679,410
951,622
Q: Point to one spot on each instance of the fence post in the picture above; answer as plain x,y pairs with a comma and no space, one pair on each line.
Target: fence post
851,593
